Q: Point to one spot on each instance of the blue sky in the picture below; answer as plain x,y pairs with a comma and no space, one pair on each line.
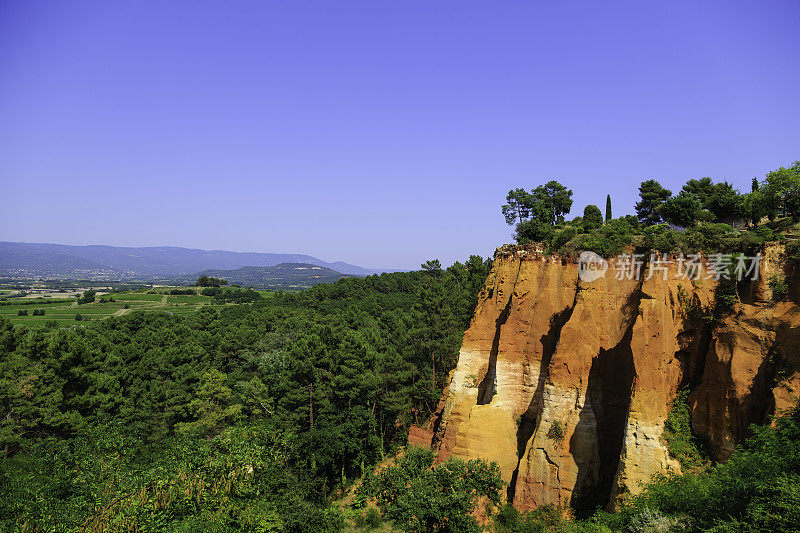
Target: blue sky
379,133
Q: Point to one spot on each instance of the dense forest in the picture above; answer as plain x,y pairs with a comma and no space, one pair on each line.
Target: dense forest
254,417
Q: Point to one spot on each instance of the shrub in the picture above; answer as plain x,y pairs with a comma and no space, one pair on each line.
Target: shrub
371,519
22,312
651,521
656,229
778,286
764,233
611,239
557,431
562,237
757,489
533,231
418,496
78,317
681,441
793,251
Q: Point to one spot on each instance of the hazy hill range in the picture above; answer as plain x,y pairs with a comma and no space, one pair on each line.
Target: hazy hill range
285,275
20,259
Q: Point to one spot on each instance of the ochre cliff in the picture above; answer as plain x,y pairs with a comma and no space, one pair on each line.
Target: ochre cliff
567,384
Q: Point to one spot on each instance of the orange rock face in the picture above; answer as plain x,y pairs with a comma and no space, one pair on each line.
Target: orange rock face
567,384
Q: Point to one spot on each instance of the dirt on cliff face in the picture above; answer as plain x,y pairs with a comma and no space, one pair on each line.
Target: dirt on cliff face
567,383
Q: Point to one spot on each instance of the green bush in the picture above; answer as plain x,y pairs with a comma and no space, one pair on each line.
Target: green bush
651,521
681,441
757,489
778,286
611,239
533,231
562,237
418,496
557,431
764,233
371,519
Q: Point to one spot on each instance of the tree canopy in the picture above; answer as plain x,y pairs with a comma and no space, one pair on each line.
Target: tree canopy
651,196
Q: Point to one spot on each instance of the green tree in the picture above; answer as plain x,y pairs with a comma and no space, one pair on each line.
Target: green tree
592,218
681,210
652,195
212,406
703,189
782,192
536,212
518,207
608,208
432,266
551,202
208,281
87,297
725,202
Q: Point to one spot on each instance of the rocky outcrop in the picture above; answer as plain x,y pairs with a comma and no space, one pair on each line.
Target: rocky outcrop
567,383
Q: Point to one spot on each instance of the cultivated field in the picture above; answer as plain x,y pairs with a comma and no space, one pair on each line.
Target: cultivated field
64,310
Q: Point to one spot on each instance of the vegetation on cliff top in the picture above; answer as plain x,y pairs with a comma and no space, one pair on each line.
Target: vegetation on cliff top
704,215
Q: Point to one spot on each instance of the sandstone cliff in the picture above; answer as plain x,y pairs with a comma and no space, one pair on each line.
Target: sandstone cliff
567,384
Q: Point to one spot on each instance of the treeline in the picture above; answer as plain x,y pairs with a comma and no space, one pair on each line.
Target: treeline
703,215
248,417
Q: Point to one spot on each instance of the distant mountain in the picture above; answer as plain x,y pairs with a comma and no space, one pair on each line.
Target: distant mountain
21,259
283,276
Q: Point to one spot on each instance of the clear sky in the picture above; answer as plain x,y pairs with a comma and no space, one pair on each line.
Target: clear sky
378,133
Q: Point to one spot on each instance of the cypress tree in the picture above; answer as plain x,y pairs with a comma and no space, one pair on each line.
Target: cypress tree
608,207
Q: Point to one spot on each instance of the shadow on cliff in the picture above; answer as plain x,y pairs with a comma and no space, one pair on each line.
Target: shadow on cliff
602,419
528,420
488,385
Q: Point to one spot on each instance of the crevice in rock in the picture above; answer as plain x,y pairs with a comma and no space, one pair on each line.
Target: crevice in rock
488,385
529,419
